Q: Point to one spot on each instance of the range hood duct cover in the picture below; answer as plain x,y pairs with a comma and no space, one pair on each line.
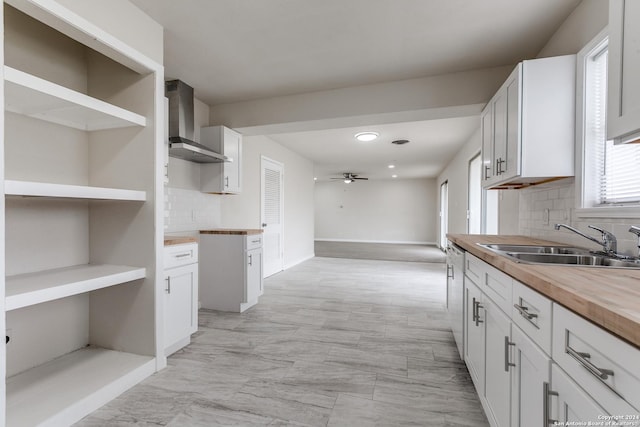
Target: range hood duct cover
181,126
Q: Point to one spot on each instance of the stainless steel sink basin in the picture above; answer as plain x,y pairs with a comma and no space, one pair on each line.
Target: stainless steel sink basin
559,255
533,249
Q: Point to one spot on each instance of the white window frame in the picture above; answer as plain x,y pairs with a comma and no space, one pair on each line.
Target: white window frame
583,210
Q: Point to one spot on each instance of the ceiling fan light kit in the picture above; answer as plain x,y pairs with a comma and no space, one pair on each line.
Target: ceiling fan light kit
348,177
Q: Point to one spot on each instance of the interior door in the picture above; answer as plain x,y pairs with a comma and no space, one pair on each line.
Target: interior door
444,214
272,198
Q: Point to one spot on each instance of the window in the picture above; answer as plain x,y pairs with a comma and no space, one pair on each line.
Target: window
610,173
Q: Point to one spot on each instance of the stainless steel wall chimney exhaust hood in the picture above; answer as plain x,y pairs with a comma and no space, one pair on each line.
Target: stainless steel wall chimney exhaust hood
181,124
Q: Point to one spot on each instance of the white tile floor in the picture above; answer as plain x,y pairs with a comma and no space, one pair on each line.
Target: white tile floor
332,342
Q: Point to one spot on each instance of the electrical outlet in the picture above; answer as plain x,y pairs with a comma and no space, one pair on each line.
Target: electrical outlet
545,217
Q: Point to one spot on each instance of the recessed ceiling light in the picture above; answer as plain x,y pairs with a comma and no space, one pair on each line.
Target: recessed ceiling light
394,176
391,166
315,178
366,136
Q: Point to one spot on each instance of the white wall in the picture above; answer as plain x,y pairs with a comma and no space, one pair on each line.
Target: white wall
243,210
402,210
456,174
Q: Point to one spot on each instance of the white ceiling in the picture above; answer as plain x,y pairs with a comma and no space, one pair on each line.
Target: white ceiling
432,144
235,50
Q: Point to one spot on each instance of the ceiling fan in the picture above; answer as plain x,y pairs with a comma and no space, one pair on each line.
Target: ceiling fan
349,177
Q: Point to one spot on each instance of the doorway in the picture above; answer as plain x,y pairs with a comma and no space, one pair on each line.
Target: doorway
444,214
474,208
271,215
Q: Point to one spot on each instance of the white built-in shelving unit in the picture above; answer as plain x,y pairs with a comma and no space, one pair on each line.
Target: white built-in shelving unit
81,217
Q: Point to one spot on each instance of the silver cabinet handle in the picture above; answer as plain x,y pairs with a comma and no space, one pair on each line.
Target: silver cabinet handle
168,279
473,310
250,259
264,224
256,241
183,255
524,311
450,269
486,171
507,363
226,181
583,359
546,392
478,307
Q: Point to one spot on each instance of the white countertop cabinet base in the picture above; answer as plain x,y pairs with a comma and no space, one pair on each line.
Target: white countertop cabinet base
231,271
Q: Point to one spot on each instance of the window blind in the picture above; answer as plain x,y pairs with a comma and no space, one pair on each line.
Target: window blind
617,166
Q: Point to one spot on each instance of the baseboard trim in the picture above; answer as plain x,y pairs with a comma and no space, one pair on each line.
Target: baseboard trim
397,242
299,261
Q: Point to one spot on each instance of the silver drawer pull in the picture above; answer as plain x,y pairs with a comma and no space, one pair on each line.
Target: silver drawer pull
182,255
255,241
524,311
583,359
546,393
507,362
477,306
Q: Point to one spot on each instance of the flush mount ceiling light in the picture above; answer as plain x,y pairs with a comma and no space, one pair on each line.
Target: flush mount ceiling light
391,166
400,141
366,136
394,176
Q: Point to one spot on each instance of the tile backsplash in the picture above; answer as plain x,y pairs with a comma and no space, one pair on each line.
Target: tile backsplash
190,210
544,205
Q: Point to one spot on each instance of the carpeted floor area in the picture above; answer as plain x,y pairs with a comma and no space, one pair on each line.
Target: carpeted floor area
379,251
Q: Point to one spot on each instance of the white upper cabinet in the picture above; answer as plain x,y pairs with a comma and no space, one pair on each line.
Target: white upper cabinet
528,126
623,106
226,177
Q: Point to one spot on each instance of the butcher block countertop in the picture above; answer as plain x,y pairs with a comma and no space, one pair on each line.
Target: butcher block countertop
241,232
608,297
178,240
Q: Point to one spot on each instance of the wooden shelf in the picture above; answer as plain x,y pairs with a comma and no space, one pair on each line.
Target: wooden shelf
41,99
34,288
44,189
68,388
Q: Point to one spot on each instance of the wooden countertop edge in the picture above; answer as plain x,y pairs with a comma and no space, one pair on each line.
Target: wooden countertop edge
178,240
617,309
241,232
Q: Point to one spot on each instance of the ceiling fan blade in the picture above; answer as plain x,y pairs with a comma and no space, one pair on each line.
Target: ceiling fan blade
366,179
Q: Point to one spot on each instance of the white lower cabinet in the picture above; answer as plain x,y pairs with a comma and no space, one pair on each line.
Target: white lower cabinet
566,402
531,370
180,296
231,269
474,346
498,363
536,362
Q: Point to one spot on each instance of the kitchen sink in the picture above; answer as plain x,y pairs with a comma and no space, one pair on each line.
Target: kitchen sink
534,249
559,255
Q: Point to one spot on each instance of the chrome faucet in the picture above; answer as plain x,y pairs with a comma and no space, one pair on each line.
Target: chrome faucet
609,242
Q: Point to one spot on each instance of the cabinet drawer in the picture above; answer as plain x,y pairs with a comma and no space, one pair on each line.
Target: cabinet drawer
474,268
253,241
177,255
532,313
499,287
602,364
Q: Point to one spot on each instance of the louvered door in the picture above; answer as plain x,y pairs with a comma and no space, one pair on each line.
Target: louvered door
272,219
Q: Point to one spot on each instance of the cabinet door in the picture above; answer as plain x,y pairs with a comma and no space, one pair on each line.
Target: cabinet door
499,356
572,403
181,303
253,285
232,170
486,121
623,104
509,168
455,299
499,133
532,369
475,337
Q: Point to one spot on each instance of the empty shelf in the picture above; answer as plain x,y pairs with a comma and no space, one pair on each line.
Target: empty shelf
41,99
44,189
66,389
34,288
